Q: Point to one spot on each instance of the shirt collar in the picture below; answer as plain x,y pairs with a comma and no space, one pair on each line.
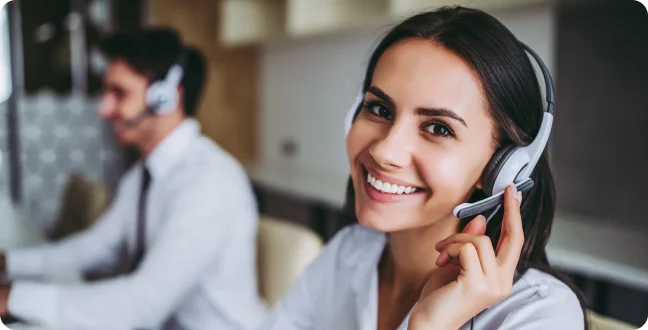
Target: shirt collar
165,155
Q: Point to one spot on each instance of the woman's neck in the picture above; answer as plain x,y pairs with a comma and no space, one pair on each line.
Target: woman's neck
410,258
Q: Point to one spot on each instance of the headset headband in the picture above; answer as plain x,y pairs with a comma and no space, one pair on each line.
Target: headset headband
535,149
175,73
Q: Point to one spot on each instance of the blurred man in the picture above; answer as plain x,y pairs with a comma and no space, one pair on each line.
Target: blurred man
183,219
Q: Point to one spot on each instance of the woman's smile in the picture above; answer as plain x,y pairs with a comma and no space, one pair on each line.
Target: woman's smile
384,189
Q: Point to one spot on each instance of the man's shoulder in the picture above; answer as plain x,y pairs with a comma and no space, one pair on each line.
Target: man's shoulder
205,164
206,153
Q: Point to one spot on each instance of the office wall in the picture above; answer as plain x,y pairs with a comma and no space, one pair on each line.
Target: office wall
308,85
600,152
228,111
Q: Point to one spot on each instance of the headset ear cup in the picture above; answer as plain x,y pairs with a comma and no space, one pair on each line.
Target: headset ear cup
351,113
494,167
154,97
161,98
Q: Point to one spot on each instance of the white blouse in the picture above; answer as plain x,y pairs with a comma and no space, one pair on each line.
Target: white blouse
339,290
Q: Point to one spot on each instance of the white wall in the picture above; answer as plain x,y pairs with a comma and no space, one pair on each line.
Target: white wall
308,85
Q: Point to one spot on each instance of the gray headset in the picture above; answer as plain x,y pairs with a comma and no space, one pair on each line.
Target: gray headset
162,95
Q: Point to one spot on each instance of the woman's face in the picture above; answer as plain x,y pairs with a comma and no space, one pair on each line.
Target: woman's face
418,147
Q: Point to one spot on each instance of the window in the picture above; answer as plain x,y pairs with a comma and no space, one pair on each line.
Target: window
5,63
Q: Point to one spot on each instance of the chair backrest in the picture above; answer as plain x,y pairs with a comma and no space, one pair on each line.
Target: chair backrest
82,203
600,322
284,251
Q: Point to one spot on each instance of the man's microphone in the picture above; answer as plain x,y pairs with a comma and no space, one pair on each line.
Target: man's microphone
132,122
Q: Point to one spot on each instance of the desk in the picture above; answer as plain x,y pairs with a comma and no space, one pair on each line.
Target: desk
325,188
598,249
16,230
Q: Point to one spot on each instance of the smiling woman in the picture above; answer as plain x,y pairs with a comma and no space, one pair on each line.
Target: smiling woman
444,93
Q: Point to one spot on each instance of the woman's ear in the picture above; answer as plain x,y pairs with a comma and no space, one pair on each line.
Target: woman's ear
479,184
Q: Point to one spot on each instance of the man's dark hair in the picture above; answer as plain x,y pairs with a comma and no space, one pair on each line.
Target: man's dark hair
152,51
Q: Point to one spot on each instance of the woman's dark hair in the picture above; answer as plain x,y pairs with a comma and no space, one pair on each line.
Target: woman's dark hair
514,101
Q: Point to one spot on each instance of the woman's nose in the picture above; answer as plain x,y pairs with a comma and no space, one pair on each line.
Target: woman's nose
393,151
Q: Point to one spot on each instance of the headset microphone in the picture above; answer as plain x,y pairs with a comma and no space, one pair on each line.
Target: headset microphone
510,164
134,121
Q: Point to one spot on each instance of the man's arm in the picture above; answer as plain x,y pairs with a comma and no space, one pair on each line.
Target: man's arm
199,211
70,257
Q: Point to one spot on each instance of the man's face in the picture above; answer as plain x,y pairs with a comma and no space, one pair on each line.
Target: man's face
124,98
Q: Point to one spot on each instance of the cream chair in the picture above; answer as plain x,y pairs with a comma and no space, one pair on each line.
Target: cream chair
284,251
600,322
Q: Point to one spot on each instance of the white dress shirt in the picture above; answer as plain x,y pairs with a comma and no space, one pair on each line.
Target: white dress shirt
199,268
339,290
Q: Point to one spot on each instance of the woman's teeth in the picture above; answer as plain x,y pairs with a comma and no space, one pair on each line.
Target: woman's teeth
389,188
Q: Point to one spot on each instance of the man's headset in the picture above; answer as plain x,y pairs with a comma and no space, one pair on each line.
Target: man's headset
162,95
510,163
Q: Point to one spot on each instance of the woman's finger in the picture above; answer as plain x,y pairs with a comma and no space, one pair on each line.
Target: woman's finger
456,238
475,227
512,235
468,258
483,245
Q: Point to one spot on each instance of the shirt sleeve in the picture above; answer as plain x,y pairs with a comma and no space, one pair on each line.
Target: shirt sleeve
69,258
298,308
554,307
197,216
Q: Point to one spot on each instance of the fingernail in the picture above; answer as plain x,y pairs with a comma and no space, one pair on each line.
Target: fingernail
518,197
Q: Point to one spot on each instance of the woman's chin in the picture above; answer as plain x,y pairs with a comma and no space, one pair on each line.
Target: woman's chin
383,223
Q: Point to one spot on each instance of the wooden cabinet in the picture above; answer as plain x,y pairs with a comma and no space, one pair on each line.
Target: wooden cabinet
310,17
257,21
251,21
411,7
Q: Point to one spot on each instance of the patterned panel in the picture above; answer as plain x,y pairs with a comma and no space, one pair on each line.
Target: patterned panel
60,136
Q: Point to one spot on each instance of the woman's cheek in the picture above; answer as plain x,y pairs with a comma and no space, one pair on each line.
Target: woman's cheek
450,176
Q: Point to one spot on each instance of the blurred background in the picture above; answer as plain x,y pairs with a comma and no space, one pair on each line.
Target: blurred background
283,73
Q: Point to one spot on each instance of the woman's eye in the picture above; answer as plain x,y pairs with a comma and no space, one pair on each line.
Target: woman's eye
379,110
439,130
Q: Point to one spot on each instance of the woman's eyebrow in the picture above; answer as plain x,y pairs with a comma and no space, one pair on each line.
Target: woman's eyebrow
429,112
378,92
440,112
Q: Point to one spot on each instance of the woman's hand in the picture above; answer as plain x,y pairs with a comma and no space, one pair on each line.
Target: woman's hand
483,275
